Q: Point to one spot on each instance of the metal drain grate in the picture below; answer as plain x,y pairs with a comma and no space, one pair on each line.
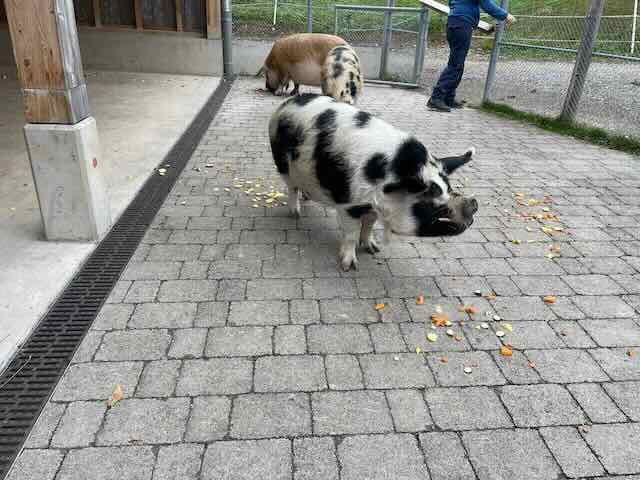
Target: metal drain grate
27,383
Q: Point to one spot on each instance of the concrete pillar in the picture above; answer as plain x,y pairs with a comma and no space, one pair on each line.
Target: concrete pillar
61,136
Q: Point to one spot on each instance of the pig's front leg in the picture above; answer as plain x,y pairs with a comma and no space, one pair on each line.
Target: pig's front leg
351,228
367,240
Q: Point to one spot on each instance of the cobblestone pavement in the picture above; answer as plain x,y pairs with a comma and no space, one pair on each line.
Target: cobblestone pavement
244,353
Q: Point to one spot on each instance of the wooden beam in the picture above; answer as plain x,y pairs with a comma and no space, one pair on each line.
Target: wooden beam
213,24
138,12
45,46
179,23
97,13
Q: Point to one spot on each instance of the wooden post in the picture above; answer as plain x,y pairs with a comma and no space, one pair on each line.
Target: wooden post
61,136
45,45
138,13
97,13
179,23
213,19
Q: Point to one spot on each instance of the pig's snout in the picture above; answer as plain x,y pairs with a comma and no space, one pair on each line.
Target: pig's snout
470,207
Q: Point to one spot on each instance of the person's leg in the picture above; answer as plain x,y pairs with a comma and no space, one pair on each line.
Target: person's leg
442,85
460,41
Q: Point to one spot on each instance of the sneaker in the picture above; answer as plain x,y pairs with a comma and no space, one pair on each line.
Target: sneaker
455,103
438,105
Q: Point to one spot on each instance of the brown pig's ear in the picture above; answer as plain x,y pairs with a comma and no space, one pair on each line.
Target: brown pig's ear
451,164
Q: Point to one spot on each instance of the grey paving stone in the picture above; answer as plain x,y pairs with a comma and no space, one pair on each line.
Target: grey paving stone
619,364
142,291
535,266
178,462
315,459
461,286
597,249
230,289
541,405
370,287
259,313
194,270
153,270
626,395
289,374
355,412
566,366
607,265
88,347
242,269
209,223
487,266
445,455
381,457
616,446
79,424
466,409
595,403
338,339
394,310
503,286
400,370
449,306
163,315
290,340
522,454
304,311
36,465
112,317
572,334
96,381
212,252
613,332
145,420
387,338
274,289
132,463
415,335
343,372
239,341
542,285
571,452
516,368
409,287
522,308
603,306
248,460
451,373
593,285
413,267
192,236
188,343
216,376
319,288
211,314
408,411
531,335
158,379
342,310
209,419
289,268
122,345
188,291
270,415
45,425
480,339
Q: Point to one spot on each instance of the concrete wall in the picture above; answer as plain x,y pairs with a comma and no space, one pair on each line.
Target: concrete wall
151,52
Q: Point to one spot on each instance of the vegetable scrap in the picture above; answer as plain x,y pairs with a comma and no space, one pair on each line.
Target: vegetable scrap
506,351
115,397
432,337
549,299
379,306
420,300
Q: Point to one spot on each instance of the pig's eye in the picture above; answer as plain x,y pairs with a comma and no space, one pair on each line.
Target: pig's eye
433,191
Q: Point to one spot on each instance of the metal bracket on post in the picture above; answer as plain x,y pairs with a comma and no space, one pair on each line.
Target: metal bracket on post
423,35
386,41
495,51
583,60
227,38
309,16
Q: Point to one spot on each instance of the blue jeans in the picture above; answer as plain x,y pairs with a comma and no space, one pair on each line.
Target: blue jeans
459,38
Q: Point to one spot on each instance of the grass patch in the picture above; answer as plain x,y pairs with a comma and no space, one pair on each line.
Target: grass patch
596,136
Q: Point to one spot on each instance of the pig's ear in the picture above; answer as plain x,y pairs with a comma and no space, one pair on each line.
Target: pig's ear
451,164
406,185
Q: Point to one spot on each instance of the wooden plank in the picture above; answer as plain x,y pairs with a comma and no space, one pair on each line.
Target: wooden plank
444,9
179,25
214,26
138,12
97,13
45,46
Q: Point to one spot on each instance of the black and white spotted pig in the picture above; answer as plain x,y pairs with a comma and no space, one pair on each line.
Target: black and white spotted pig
341,76
344,157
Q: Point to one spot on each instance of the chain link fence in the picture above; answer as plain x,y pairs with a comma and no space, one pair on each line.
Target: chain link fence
536,62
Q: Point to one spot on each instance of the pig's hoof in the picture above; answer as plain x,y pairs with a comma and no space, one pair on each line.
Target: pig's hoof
371,247
348,262
295,213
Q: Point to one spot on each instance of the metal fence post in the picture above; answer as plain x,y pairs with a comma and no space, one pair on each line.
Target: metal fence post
633,26
386,40
335,20
309,16
227,38
583,60
495,51
423,34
